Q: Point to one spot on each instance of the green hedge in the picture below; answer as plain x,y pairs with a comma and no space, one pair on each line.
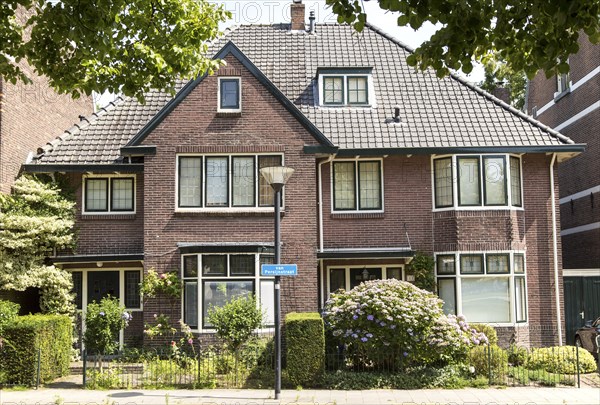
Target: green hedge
305,342
50,334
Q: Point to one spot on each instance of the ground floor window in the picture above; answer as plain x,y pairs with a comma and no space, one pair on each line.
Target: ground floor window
485,287
211,280
91,285
348,277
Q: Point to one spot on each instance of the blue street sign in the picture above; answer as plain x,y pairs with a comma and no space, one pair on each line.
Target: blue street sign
278,270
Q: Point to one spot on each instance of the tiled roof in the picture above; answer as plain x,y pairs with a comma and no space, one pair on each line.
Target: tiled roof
435,113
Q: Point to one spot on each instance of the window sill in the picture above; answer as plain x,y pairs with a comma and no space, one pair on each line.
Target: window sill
227,213
357,215
108,215
229,114
479,208
558,96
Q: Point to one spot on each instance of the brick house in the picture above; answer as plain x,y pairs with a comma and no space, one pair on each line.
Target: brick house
387,161
571,104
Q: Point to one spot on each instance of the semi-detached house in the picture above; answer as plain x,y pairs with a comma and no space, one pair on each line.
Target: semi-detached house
388,161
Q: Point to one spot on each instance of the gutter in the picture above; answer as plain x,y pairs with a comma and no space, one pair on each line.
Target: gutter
555,251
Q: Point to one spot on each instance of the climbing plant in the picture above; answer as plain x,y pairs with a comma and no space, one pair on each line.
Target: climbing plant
35,220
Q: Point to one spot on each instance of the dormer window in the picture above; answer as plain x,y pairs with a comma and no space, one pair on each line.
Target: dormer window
345,87
230,97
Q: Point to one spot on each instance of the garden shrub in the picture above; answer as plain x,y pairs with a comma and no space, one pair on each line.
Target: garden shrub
48,334
392,324
517,355
236,320
490,361
103,321
422,268
305,341
8,312
488,331
561,360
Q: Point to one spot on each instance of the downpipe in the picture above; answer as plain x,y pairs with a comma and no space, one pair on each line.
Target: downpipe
555,251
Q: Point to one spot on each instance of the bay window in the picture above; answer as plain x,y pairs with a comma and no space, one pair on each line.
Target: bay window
357,185
472,181
211,280
487,287
224,181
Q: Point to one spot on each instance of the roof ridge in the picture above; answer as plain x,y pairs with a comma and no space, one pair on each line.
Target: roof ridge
83,123
389,36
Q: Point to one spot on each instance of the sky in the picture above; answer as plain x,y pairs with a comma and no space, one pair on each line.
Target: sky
278,11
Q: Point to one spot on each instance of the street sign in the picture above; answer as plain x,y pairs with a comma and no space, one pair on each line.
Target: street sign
278,270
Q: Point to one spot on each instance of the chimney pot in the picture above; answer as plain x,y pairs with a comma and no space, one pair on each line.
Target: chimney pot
297,12
397,113
311,23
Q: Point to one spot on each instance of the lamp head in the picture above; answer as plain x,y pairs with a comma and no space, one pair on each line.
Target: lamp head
277,176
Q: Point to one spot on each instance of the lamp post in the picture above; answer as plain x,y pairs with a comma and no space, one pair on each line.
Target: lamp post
277,176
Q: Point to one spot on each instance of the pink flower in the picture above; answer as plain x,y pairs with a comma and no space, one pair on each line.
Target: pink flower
191,341
163,276
173,344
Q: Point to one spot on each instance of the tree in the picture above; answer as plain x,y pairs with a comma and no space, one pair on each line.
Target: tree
126,46
527,35
34,221
498,74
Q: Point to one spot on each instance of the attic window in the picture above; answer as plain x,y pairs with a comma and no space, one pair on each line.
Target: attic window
345,87
229,95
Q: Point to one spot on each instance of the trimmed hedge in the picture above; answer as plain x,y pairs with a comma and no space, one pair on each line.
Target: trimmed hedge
305,342
50,334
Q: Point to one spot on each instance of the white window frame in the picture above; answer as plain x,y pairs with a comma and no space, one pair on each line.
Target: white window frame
511,276
229,110
455,186
256,278
563,83
357,186
347,268
371,101
109,177
229,208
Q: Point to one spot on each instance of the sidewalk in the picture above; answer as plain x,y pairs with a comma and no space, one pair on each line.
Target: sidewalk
471,396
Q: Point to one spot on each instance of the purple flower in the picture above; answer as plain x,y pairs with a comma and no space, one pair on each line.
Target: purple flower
369,335
101,313
382,323
355,317
191,341
364,339
354,335
370,317
405,354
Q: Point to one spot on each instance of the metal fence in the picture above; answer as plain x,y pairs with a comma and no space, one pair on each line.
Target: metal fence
152,369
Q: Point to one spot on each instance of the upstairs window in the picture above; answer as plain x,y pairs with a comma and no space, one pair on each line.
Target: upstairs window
477,181
224,181
345,87
563,82
109,194
357,185
230,99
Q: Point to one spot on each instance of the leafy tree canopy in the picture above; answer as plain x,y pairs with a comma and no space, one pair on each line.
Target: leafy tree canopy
123,46
498,74
527,35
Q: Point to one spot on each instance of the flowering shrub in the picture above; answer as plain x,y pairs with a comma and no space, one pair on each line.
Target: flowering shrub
236,320
165,283
103,321
382,318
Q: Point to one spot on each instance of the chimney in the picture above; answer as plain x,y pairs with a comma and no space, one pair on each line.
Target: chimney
502,93
311,23
297,12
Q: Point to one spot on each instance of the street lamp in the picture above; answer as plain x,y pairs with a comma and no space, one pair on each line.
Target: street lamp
277,176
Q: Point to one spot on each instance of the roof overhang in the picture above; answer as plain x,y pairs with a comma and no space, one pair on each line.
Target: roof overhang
367,253
226,247
118,258
82,168
139,150
569,149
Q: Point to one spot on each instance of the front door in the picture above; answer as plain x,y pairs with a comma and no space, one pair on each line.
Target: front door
102,284
582,303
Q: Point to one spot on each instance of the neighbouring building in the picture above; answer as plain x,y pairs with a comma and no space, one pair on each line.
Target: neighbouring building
388,161
571,104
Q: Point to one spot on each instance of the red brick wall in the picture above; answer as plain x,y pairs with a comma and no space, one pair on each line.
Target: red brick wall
109,234
263,126
30,116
